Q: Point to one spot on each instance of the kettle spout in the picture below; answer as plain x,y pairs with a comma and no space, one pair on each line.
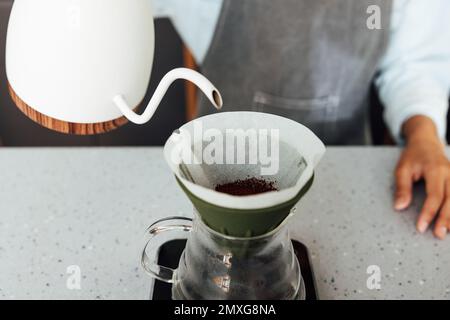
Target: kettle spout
198,79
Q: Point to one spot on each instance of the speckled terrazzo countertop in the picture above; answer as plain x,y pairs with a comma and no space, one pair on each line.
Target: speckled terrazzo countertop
90,207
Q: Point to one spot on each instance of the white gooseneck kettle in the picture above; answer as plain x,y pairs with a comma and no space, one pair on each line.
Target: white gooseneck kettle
83,66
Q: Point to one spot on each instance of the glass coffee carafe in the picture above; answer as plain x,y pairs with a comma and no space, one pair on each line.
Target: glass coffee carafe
238,246
214,266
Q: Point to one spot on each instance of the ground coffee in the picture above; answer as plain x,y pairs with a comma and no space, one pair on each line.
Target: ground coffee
250,186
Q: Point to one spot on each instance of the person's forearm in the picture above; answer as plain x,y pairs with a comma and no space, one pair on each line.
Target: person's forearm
418,129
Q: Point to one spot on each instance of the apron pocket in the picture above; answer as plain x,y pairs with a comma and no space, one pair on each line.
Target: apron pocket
318,114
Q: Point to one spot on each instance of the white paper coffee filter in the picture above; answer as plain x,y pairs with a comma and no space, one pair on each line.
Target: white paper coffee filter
299,153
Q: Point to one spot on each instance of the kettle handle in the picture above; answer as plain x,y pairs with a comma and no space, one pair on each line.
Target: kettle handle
163,226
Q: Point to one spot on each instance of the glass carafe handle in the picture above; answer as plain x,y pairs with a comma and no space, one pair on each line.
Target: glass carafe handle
173,225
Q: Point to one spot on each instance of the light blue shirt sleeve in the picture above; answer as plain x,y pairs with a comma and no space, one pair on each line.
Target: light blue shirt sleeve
195,21
415,72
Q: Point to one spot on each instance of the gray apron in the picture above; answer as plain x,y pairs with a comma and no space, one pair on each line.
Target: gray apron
312,61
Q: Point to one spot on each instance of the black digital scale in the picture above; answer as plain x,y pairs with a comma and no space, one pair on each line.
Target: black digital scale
170,254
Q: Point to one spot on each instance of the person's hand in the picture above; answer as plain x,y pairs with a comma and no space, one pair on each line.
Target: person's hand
424,158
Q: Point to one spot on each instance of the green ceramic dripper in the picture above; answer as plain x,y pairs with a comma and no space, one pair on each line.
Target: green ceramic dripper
294,153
